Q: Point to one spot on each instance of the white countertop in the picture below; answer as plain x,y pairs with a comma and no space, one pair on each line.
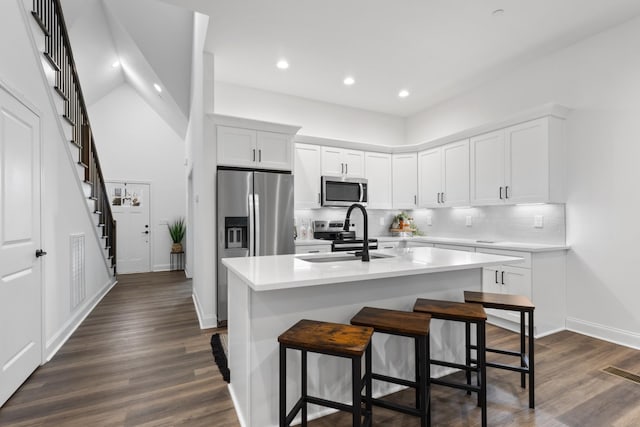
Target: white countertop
514,246
268,273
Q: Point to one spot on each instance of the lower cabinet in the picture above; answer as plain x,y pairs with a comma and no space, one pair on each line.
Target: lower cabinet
312,249
540,277
388,245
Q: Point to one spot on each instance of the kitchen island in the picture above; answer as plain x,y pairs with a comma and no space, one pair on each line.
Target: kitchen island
267,295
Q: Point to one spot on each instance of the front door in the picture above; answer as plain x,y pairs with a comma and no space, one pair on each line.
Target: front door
20,269
130,207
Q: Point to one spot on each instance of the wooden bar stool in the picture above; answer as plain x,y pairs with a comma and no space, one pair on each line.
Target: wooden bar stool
411,325
523,305
333,339
467,313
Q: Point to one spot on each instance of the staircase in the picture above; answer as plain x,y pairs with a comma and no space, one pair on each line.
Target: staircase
69,102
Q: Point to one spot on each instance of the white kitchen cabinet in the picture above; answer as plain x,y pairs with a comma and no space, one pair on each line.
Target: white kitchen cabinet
519,164
254,149
455,247
378,171
405,181
443,175
342,162
388,245
306,178
410,244
313,249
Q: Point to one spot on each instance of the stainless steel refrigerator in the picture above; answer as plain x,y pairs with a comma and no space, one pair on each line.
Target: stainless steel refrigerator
255,218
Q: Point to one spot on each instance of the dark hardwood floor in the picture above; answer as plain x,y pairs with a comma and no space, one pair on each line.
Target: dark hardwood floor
140,359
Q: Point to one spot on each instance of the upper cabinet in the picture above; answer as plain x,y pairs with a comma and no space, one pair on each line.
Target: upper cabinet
405,181
379,176
254,148
443,176
342,162
519,164
307,173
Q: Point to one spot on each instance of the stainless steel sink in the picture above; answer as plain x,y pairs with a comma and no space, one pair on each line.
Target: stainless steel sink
339,258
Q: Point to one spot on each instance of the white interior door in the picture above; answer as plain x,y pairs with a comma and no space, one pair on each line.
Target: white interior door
20,269
130,206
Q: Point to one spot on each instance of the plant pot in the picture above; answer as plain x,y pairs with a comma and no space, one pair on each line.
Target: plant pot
176,247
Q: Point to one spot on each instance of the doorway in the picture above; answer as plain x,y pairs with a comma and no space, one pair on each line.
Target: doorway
20,239
130,204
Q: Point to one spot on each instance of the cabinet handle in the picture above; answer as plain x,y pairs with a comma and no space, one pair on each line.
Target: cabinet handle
314,252
500,193
506,192
254,154
496,276
415,199
319,199
443,200
346,168
502,280
341,168
438,197
259,155
387,247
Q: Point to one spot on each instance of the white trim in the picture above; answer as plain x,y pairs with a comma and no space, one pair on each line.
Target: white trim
546,110
161,267
205,322
606,333
58,340
242,122
234,399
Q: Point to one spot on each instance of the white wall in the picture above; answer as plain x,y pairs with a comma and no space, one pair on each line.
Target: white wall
135,144
317,118
64,206
598,79
202,207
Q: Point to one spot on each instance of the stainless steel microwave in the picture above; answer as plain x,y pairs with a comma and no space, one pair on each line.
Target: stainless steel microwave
343,191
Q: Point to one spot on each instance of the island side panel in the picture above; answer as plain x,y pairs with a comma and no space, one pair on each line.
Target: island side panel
272,312
238,300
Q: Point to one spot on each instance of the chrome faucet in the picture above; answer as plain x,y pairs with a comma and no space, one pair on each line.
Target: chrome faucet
365,243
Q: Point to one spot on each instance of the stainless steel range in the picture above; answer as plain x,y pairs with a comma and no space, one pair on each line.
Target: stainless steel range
342,241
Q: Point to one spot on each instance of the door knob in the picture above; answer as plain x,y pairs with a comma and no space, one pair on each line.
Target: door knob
39,253
146,232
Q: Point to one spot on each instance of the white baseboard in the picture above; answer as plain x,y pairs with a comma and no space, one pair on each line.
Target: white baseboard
57,341
161,267
234,399
606,333
205,322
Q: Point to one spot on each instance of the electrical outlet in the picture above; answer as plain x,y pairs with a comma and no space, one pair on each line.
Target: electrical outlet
538,221
381,221
469,221
429,221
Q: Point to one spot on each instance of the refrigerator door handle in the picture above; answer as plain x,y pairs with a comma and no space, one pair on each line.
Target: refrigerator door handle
361,192
256,237
252,233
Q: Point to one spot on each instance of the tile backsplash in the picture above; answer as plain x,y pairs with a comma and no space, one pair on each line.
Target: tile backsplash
517,223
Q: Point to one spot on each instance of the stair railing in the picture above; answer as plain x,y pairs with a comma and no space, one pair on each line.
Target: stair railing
48,15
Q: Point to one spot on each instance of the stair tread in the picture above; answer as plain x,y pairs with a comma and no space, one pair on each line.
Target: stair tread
69,119
51,61
61,93
40,24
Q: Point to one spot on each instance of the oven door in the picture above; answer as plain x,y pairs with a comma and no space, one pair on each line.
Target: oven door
340,191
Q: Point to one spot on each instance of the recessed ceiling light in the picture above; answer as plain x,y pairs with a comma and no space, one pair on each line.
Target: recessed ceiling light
116,64
157,87
403,93
282,64
349,81
498,12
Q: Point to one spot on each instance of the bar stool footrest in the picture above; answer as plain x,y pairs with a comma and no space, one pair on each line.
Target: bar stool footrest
328,403
456,365
460,386
399,381
498,351
396,407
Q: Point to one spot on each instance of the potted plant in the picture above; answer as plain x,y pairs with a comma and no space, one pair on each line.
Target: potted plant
400,220
177,230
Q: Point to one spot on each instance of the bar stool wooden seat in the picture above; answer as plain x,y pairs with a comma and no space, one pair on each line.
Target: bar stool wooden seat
411,325
523,305
333,339
468,313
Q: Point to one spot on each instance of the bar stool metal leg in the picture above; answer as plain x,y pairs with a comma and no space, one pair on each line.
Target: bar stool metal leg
368,383
421,379
304,387
356,382
532,388
483,370
467,343
427,377
523,381
283,386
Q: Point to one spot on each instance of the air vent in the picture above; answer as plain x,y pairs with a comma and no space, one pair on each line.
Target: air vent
78,289
622,374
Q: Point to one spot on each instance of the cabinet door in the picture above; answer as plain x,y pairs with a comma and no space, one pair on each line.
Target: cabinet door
236,146
491,280
387,245
332,161
378,173
429,178
312,249
455,174
354,163
306,177
527,166
487,168
274,150
405,181
517,281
